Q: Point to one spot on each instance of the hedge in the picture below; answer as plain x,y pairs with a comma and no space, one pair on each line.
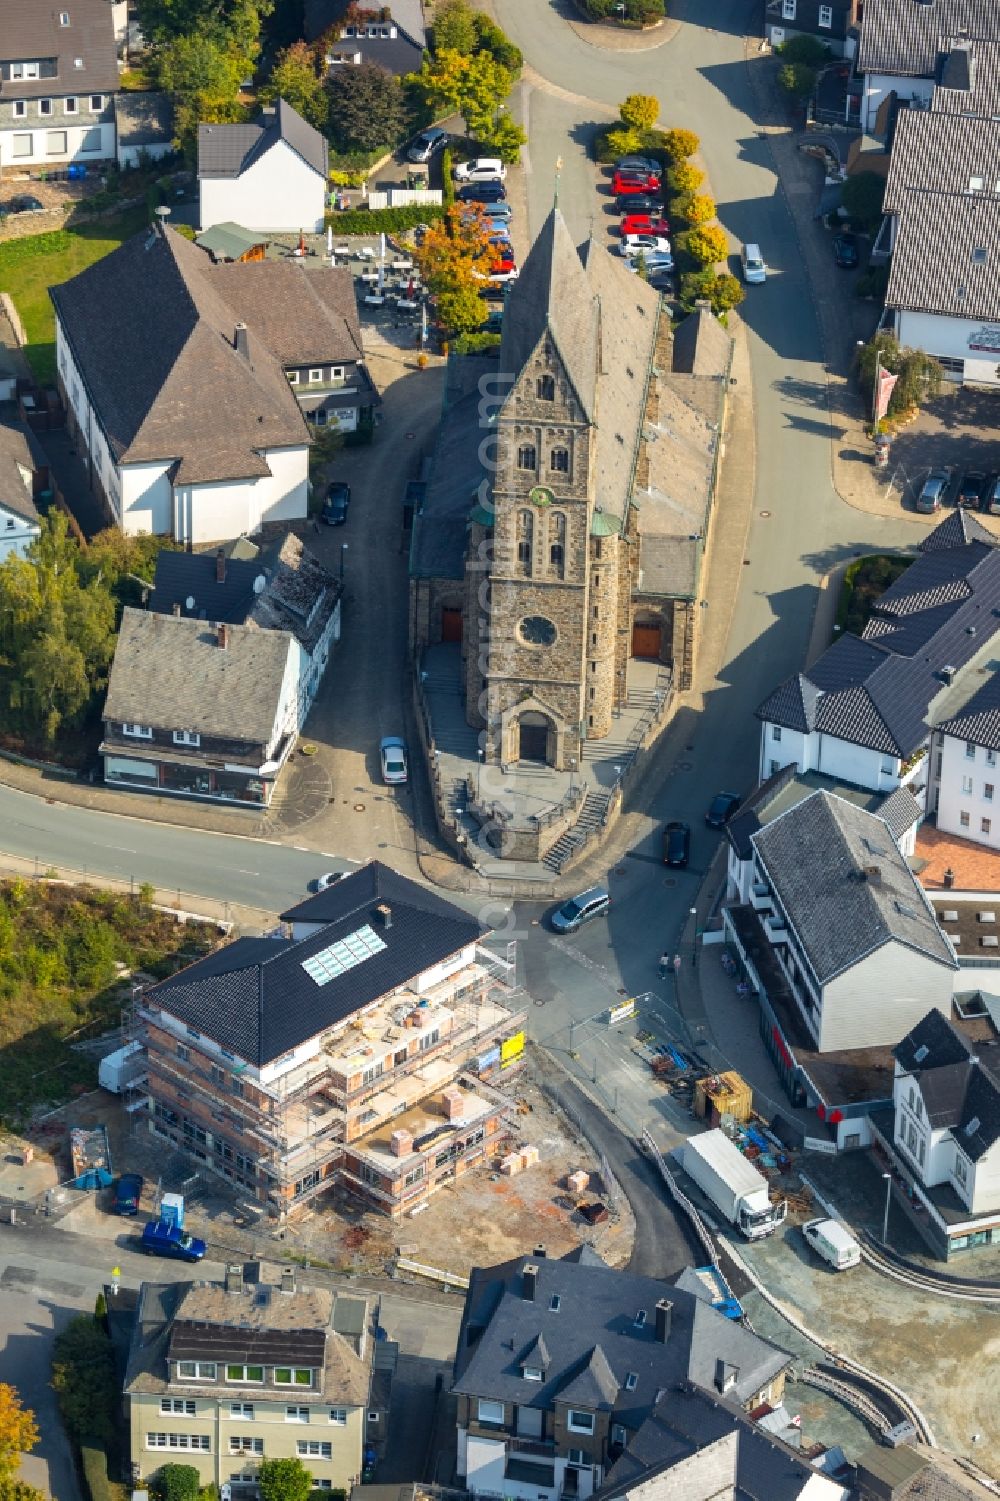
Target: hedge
366,221
94,1463
475,343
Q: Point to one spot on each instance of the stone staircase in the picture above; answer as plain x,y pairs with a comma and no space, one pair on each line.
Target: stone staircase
594,807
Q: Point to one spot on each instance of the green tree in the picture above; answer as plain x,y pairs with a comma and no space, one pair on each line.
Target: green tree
174,1482
693,208
284,1480
454,29
473,87
679,144
504,138
639,111
233,24
295,79
622,140
365,107
721,289
797,80
804,49
918,375
862,197
83,1375
707,245
490,38
202,77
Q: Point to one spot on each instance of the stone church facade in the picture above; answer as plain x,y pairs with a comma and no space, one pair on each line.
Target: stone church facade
551,542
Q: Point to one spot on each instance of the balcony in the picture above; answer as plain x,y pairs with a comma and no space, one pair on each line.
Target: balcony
775,928
760,896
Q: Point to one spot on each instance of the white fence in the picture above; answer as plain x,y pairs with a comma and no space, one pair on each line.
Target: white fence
402,197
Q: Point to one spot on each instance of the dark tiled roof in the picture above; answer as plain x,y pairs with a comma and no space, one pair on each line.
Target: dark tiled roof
321,15
18,452
979,721
944,1043
958,527
143,119
941,151
594,1341
170,385
441,527
968,76
302,316
960,1087
30,30
181,576
398,54
901,36
900,811
228,150
747,818
174,675
877,691
255,999
816,856
934,265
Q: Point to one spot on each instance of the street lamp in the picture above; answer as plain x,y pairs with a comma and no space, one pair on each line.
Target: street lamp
479,773
343,550
572,773
885,1217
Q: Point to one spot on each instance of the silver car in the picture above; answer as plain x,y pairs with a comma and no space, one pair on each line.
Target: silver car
580,909
932,495
392,754
427,144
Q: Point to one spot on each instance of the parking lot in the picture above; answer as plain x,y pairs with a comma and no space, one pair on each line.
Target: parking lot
958,431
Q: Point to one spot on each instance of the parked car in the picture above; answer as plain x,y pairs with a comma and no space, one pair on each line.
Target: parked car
503,257
482,192
721,809
625,184
640,164
580,909
643,224
833,1243
24,203
480,169
992,502
752,264
491,211
845,251
336,503
392,755
647,244
676,844
427,144
128,1192
161,1239
971,489
935,488
504,275
656,262
323,883
638,203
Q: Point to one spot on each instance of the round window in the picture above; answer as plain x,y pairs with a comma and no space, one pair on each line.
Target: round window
535,630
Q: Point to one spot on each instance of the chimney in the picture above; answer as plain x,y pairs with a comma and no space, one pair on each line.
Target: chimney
223,631
539,1251
220,566
383,915
234,1277
401,1143
948,879
177,607
287,1279
726,1375
664,1309
528,1278
873,875
241,342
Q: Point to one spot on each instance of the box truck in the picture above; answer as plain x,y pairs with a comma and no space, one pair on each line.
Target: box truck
123,1067
735,1187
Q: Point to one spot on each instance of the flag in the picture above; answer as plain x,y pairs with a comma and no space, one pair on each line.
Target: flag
886,383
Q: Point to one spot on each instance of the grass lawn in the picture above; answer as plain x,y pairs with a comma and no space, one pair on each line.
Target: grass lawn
28,267
61,952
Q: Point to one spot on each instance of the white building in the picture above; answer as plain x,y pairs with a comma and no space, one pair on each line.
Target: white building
58,76
968,751
945,1132
900,47
270,175
20,523
186,418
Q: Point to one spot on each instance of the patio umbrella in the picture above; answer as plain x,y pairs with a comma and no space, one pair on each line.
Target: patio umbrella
410,288
302,243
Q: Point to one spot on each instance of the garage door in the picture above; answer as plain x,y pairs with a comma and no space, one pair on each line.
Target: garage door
451,625
645,640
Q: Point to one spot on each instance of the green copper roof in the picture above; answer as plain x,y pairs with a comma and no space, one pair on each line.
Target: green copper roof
604,524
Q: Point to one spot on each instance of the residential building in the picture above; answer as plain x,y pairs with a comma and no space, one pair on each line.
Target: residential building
908,1473
58,78
967,748
359,1045
185,417
700,1447
270,174
900,46
943,1130
23,475
560,1364
589,528
144,128
827,20
864,713
200,710
223,1375
393,36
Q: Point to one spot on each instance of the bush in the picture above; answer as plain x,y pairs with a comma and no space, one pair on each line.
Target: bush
639,112
476,343
174,1482
707,245
683,178
679,144
804,49
83,1376
94,1463
865,580
621,140
873,283
693,208
721,289
366,221
447,181
862,197
797,80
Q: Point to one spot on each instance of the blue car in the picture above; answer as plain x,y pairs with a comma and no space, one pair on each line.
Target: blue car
128,1192
161,1239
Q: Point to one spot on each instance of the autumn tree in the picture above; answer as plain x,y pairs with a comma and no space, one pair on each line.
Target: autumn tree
203,78
679,144
639,111
721,289
453,29
683,178
18,1434
918,375
454,261
707,245
295,78
694,208
473,87
366,107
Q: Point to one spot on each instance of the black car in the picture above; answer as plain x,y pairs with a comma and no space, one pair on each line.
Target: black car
638,203
482,192
971,490
128,1192
845,251
721,809
335,506
676,844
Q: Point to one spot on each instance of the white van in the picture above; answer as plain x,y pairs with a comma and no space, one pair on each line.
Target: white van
752,262
831,1241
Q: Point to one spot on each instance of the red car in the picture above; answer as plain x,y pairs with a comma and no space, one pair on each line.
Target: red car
623,184
643,224
503,262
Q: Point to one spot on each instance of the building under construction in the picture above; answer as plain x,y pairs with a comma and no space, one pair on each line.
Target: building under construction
362,1043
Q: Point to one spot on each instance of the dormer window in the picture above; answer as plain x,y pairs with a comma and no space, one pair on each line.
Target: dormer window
640,1319
532,1373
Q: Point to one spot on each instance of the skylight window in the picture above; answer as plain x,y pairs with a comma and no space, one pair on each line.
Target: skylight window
631,1381
343,955
973,1126
904,910
640,1318
979,256
555,1303
921,1053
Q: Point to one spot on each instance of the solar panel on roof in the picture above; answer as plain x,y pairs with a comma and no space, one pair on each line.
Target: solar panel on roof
343,955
